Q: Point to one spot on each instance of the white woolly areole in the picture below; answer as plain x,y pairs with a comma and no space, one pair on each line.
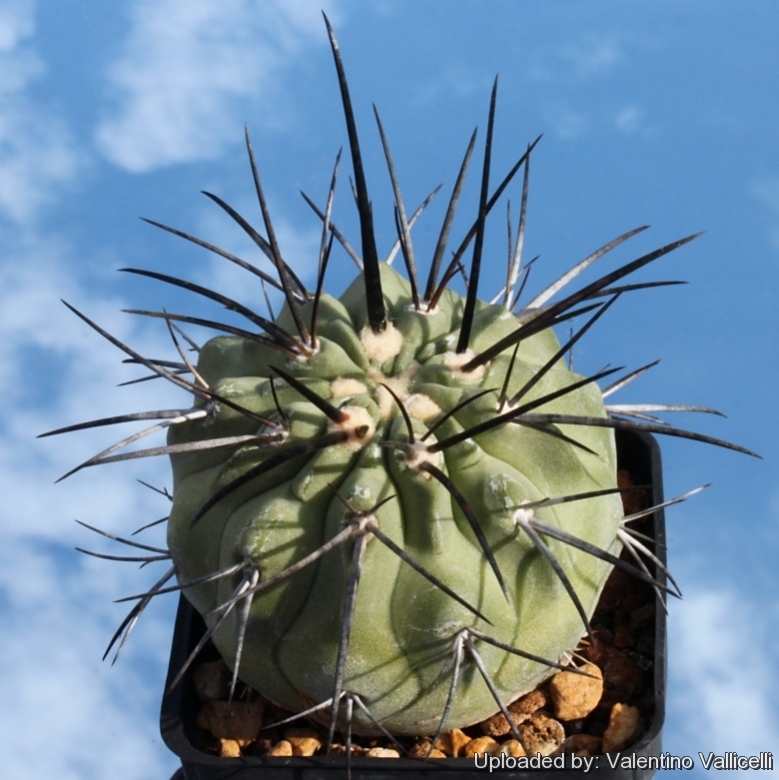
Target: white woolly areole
423,308
399,386
421,407
382,346
454,361
418,453
343,386
522,515
358,424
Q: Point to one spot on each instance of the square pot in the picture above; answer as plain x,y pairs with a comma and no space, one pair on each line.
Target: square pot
639,454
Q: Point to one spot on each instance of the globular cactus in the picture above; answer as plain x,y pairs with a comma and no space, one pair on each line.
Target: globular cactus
396,510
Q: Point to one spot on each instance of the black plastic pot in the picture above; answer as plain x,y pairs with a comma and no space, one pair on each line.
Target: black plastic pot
639,454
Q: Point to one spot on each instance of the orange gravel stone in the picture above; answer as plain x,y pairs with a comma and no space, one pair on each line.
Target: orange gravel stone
229,748
482,745
575,696
520,711
421,749
452,742
625,725
282,748
542,734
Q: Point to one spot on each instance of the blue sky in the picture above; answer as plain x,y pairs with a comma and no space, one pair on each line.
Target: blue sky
662,113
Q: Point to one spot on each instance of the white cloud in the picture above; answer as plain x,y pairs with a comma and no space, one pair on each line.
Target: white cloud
454,80
184,67
632,120
16,23
35,156
37,272
36,150
722,687
64,713
567,122
591,56
768,193
594,56
628,119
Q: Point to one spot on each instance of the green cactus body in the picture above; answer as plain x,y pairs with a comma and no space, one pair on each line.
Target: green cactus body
403,626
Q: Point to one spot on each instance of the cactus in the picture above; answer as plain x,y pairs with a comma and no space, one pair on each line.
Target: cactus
395,510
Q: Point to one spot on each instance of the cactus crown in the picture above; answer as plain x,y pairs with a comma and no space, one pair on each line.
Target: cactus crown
396,510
